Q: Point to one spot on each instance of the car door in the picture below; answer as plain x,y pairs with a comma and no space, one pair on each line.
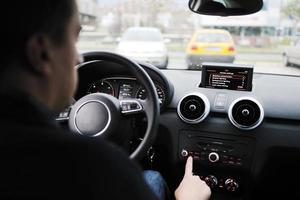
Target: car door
295,53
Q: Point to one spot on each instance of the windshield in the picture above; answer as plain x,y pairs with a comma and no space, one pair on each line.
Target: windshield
266,40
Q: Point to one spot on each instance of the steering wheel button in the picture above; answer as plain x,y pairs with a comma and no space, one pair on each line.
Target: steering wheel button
63,115
125,107
130,107
134,106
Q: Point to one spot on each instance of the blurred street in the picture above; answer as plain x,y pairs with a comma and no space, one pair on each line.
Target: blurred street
263,63
259,39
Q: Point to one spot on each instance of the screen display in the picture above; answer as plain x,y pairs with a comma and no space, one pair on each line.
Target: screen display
231,78
126,90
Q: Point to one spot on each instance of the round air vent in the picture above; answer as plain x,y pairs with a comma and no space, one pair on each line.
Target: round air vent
193,108
246,113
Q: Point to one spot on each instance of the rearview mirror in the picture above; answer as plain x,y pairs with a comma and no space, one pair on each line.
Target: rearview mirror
225,7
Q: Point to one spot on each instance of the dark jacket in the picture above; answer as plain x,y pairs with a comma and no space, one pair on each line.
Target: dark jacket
40,161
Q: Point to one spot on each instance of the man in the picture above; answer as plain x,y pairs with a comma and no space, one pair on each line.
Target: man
38,80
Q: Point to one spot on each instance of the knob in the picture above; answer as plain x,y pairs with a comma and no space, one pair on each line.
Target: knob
231,185
213,157
184,153
211,181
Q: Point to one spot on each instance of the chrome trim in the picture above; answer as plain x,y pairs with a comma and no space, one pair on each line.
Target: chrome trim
242,127
213,154
61,119
184,153
119,78
106,126
85,63
203,116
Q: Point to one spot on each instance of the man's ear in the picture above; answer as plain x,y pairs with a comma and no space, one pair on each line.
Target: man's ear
37,55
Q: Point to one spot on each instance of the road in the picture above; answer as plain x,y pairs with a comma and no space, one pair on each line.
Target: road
264,63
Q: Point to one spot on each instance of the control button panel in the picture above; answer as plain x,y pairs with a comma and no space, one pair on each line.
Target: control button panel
222,160
222,184
213,157
220,101
211,150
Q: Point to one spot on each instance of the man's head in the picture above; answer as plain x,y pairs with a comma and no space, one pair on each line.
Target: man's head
39,48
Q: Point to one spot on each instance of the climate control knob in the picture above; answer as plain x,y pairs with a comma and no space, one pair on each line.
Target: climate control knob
231,185
211,181
213,157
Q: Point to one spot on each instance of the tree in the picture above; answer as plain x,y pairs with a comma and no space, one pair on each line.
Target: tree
292,10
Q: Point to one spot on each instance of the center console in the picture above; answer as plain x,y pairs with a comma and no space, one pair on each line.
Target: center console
223,162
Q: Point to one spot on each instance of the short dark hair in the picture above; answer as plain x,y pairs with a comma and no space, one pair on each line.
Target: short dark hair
24,18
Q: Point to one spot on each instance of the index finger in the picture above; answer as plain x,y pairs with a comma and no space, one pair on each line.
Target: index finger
189,166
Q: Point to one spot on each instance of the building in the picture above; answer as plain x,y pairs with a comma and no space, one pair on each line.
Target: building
88,14
268,22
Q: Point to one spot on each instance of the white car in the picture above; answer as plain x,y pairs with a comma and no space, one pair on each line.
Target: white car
144,44
291,56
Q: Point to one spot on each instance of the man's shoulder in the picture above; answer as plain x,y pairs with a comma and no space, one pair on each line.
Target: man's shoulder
90,167
52,138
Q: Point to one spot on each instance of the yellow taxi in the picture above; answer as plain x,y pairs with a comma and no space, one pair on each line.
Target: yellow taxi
210,45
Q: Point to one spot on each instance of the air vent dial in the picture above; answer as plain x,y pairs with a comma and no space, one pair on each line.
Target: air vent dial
193,108
246,113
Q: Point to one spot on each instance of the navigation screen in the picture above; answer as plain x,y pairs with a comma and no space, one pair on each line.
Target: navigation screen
227,77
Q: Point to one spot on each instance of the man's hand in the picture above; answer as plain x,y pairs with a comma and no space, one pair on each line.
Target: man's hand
192,187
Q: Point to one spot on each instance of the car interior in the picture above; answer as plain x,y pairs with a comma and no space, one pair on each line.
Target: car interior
241,127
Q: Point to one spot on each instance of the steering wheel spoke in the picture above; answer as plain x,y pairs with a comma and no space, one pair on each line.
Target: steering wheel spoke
130,107
64,116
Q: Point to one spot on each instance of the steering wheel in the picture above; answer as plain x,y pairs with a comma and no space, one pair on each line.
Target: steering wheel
103,116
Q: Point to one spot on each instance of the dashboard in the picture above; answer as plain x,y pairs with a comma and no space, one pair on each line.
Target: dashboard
244,140
242,128
115,80
125,88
